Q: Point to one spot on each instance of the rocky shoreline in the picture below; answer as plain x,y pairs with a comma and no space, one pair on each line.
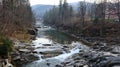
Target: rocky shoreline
100,49
98,43
24,53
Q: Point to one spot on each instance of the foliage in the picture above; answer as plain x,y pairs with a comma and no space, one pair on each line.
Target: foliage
5,47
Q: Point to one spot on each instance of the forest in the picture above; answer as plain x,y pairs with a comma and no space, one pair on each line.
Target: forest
16,15
98,19
16,19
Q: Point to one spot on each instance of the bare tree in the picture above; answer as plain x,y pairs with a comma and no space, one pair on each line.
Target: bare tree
15,14
82,12
118,9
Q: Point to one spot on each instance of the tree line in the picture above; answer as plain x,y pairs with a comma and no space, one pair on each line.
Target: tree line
100,18
15,15
16,18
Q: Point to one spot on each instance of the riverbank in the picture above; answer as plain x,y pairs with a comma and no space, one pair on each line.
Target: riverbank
99,48
78,55
101,42
23,52
20,50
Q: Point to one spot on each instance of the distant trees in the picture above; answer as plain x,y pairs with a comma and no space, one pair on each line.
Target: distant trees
82,12
96,19
52,17
93,13
59,15
101,15
118,8
60,10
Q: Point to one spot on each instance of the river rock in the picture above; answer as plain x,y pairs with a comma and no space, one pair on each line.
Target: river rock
106,61
24,59
32,31
116,50
99,46
17,46
58,66
24,50
16,58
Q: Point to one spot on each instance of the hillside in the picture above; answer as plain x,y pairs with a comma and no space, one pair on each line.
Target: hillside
39,10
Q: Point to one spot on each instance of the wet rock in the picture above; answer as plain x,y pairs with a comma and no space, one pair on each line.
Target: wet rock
15,55
24,58
66,50
48,64
36,29
6,63
116,50
17,46
52,52
24,50
58,66
49,55
16,58
76,61
99,46
32,32
70,63
65,46
105,61
81,62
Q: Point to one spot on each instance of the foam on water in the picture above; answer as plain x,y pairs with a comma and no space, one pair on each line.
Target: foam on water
40,41
51,62
63,57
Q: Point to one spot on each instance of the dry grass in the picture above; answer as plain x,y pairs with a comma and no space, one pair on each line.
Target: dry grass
22,36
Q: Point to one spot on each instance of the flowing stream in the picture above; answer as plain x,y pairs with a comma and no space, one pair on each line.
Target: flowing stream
47,35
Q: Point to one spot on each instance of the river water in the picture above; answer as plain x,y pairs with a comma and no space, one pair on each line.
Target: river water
49,35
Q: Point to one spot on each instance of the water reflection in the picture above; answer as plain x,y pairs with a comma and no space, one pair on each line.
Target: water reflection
60,37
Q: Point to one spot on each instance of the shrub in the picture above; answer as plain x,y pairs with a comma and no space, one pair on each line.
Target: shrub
5,47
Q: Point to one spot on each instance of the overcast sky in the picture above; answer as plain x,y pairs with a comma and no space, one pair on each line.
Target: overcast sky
50,2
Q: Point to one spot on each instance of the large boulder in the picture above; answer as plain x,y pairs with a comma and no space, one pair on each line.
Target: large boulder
116,49
32,31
